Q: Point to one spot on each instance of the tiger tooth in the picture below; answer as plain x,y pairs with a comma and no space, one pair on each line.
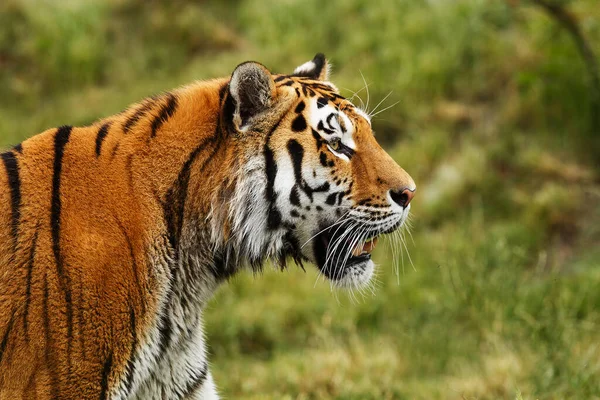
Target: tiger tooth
370,245
365,247
358,250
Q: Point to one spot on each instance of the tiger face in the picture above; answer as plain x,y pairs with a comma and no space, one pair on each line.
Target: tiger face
331,190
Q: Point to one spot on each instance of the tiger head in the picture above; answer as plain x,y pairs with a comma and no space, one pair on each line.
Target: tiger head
314,184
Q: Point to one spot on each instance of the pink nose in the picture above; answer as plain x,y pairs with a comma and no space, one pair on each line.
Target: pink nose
402,197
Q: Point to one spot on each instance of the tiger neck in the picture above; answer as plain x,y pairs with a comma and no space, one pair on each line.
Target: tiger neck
210,230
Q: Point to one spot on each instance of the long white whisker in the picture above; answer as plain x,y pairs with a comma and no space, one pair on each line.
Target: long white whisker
350,243
407,252
382,100
339,248
330,251
384,109
356,94
324,229
363,228
360,236
368,94
319,274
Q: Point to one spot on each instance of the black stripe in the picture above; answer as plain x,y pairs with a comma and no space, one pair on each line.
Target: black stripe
30,264
102,132
323,87
329,118
60,141
296,152
4,341
46,318
105,375
318,139
227,111
300,107
165,330
49,345
134,265
138,114
305,90
177,195
81,319
274,216
196,382
14,182
174,204
18,148
336,96
322,102
166,112
322,127
334,197
131,359
295,196
299,123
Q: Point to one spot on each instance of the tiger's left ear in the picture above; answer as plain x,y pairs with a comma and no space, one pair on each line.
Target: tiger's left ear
317,69
253,91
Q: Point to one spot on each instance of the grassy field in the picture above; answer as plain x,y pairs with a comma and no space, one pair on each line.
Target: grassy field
496,292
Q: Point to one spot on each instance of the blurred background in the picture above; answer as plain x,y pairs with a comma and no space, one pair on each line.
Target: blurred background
496,116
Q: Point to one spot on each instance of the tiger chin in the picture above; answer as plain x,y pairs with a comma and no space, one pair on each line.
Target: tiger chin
114,236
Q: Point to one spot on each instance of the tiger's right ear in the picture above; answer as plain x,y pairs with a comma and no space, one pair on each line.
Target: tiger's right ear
253,91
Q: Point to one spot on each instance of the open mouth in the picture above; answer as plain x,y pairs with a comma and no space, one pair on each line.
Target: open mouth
337,250
362,251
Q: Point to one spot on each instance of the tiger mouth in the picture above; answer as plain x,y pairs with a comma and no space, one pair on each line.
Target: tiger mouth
338,250
365,247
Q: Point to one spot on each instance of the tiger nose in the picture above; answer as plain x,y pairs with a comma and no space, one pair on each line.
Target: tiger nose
403,196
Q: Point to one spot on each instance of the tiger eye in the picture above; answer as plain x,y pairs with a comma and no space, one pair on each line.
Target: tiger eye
334,144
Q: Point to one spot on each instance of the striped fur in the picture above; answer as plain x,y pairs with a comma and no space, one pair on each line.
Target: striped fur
114,236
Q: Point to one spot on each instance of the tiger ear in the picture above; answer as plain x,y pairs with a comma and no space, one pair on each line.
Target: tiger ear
253,90
318,68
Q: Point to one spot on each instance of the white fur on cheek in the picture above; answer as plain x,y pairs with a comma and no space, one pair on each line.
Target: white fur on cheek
284,183
348,138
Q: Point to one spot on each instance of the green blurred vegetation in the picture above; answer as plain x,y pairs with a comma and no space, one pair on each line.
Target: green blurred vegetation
493,121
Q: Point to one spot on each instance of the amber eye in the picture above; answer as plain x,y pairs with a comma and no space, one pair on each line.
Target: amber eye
334,144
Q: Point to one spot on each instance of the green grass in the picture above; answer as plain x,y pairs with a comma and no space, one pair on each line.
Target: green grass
501,299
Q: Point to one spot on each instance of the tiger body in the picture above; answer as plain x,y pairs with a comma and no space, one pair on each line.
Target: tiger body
114,236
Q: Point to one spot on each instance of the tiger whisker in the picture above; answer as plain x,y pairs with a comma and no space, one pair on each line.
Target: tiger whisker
384,109
368,94
339,221
382,100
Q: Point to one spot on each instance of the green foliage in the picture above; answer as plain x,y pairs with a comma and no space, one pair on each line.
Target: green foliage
493,122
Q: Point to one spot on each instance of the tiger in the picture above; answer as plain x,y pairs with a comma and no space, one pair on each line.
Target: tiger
114,236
